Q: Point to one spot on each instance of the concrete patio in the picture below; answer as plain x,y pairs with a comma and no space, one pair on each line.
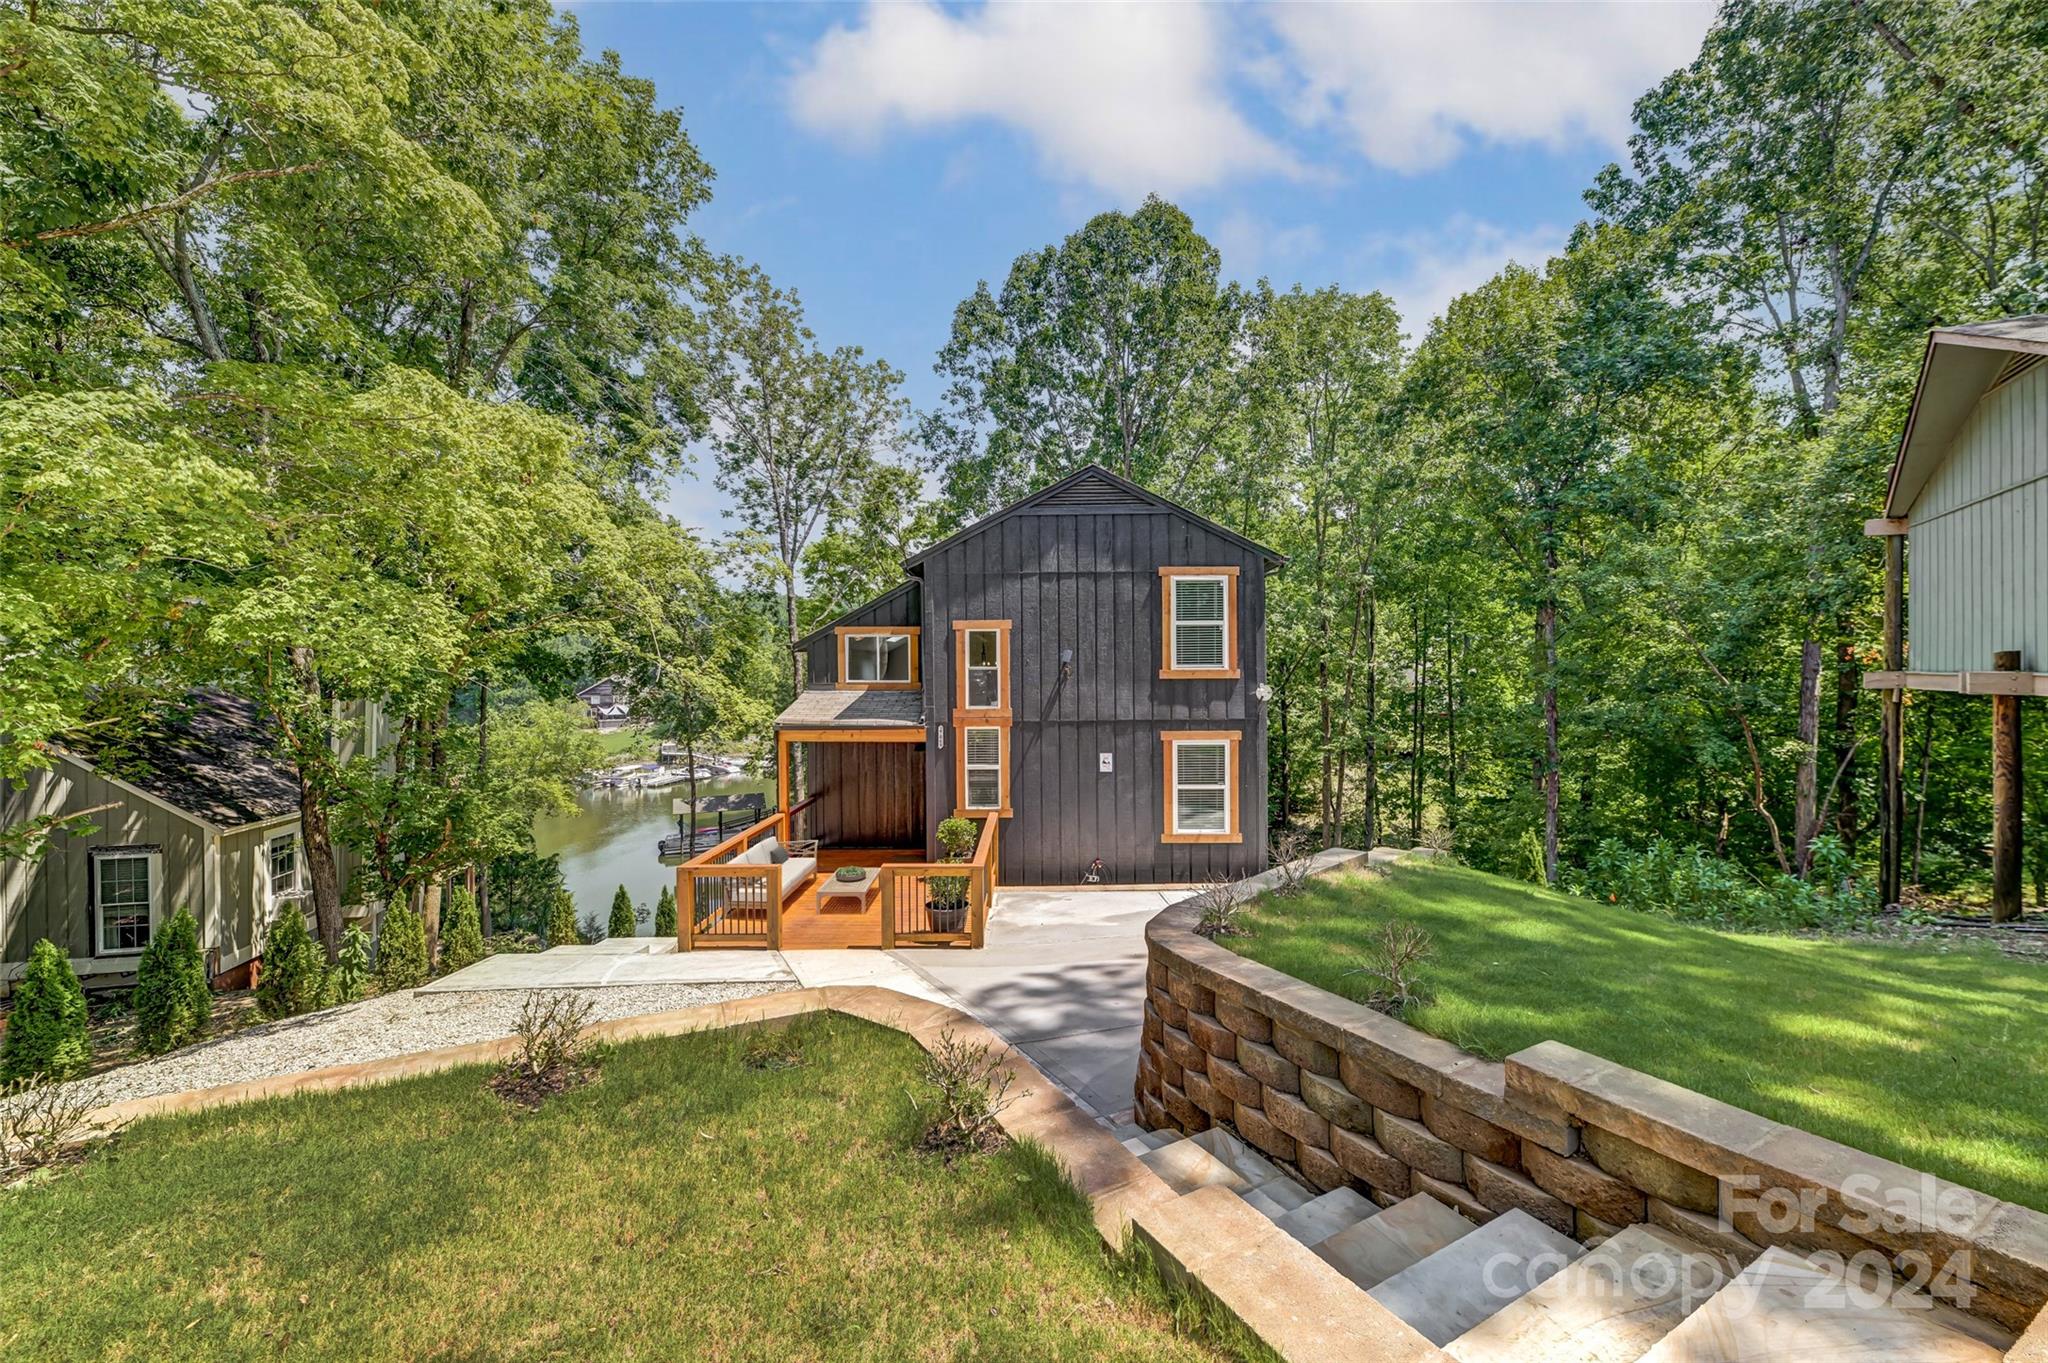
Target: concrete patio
1060,978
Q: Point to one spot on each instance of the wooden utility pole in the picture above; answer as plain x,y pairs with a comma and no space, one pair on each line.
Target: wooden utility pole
2006,786
1891,816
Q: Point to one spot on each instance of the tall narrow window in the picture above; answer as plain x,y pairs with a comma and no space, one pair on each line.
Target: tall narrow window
284,868
124,882
1198,636
1201,787
984,669
981,759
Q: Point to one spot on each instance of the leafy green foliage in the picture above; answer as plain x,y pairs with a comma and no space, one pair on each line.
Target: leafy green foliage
561,922
293,978
46,1020
523,890
625,921
957,836
665,912
350,976
462,934
171,1001
401,949
1695,887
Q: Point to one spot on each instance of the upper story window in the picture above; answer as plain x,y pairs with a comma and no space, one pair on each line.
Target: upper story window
877,656
981,665
126,883
1198,629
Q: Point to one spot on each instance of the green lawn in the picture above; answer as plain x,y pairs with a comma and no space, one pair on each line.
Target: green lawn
685,1206
1933,1058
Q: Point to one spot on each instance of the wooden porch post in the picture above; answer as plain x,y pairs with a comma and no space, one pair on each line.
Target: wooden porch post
1892,779
686,908
2005,796
781,770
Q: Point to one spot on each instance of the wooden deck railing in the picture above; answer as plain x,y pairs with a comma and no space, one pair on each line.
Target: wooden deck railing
941,903
720,904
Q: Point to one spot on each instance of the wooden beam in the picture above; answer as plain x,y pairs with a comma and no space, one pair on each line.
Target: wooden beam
2006,785
2001,682
874,735
1885,527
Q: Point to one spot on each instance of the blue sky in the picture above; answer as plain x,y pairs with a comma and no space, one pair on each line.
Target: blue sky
882,158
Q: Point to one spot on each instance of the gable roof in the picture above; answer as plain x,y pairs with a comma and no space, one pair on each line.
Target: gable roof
215,757
845,615
1960,366
1095,488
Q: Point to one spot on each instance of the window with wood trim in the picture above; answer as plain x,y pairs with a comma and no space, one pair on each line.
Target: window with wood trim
1201,787
982,753
877,656
1198,630
981,669
126,884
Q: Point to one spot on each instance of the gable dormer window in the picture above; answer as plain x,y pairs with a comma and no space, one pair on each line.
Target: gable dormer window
1198,627
878,656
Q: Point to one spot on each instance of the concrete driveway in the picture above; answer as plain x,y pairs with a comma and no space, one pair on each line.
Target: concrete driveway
1062,978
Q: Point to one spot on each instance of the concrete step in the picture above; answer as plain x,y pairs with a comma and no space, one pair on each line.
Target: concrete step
1401,1236
1147,1140
1476,1275
1283,1194
1609,1307
1186,1166
1319,1218
1254,1168
1785,1308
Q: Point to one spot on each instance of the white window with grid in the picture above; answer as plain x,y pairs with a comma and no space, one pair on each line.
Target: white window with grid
126,883
284,869
1199,623
877,658
1201,786
982,758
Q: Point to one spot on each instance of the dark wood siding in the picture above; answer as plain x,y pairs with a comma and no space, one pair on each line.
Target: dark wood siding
897,607
869,794
1087,579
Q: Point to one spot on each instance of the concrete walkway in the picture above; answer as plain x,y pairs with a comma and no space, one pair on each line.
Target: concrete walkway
1061,978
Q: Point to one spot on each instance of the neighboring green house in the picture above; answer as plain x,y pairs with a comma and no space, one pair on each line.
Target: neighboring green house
202,814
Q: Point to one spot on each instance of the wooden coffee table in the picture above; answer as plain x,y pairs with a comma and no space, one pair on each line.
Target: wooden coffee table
831,887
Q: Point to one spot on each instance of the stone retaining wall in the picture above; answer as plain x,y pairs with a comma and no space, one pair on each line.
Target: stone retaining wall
1348,1096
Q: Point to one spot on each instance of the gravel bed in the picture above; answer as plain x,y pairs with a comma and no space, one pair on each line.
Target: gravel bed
390,1024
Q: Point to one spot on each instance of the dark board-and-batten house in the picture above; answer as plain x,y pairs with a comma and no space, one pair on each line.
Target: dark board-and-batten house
1966,510
1088,665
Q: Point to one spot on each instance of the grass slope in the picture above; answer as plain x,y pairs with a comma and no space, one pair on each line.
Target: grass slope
1932,1058
685,1206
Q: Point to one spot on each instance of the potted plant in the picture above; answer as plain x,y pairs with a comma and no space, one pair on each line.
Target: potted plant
946,896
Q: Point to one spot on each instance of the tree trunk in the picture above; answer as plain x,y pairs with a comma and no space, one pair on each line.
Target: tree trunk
1326,714
316,835
796,657
1546,636
1419,727
1804,818
1848,681
483,751
1372,718
1451,724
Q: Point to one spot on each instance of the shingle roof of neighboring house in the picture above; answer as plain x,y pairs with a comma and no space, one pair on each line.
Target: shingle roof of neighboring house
214,757
821,708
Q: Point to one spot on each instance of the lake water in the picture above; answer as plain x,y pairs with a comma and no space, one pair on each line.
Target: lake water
611,841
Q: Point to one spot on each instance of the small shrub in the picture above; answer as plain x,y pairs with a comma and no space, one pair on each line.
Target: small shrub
665,913
171,1000
625,921
401,949
966,1086
562,920
42,1123
957,837
515,943
553,1055
1393,961
1694,886
462,931
294,975
1220,906
1531,858
1439,838
1293,859
591,930
351,973
46,1026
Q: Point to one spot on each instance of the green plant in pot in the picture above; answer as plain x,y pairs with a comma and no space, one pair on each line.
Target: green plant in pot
946,896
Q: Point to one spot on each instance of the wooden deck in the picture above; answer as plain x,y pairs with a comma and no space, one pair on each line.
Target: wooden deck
806,927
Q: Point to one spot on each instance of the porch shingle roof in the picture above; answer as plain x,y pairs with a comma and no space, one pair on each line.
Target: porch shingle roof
830,708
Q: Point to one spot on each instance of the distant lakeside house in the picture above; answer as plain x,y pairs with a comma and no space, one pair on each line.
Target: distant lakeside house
203,814
606,704
1087,665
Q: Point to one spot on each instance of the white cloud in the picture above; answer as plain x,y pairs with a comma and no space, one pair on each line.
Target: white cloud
1423,270
1251,246
1126,98
1414,84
